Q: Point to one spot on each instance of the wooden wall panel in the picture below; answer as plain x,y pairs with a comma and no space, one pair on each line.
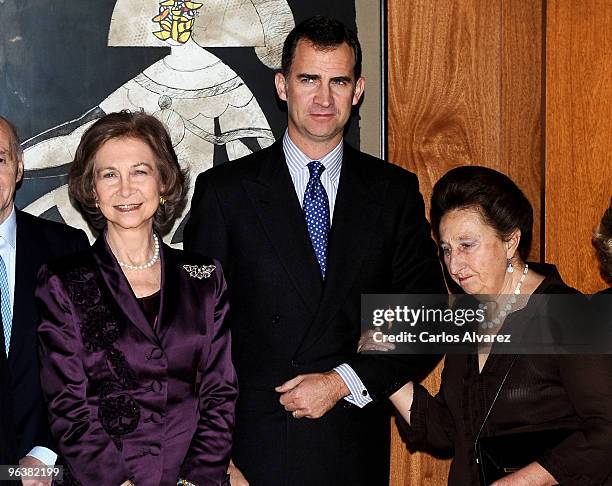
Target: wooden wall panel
464,87
578,134
521,156
443,93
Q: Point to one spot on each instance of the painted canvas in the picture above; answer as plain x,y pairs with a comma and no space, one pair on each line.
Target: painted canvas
204,68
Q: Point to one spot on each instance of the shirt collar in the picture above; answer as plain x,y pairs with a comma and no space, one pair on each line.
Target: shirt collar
8,229
298,160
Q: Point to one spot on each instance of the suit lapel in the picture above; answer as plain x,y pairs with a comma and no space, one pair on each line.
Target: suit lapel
169,290
273,196
28,259
120,289
358,204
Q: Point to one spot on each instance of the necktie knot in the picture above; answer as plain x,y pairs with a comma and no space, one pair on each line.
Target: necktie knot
316,168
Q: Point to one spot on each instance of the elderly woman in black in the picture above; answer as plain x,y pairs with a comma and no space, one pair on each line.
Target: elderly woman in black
483,224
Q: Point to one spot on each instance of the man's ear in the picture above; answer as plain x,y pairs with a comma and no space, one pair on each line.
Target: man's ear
359,87
281,86
19,174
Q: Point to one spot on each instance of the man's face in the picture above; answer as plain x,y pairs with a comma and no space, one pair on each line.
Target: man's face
11,171
320,90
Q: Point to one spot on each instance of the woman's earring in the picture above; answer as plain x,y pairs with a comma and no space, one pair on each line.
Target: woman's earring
97,207
162,200
510,268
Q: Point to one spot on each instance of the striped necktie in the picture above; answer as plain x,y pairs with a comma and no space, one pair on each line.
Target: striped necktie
5,305
316,212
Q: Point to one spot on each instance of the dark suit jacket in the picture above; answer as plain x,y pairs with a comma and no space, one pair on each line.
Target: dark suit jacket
38,241
127,400
7,427
286,321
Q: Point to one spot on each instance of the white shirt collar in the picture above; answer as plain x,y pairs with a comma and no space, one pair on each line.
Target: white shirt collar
8,228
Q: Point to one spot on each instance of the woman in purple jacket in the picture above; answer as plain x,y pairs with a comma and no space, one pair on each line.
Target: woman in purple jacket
135,352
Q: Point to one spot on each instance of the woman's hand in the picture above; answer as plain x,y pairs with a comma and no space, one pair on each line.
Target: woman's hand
531,475
402,400
236,476
367,343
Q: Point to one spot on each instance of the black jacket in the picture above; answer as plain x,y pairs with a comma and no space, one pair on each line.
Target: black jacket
38,241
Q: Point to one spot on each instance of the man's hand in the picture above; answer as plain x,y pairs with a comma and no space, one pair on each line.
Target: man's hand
236,476
312,395
29,461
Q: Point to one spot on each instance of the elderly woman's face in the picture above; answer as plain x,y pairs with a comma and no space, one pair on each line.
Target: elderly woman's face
127,183
475,256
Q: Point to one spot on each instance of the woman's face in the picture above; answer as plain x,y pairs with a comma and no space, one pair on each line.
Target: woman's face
127,183
475,256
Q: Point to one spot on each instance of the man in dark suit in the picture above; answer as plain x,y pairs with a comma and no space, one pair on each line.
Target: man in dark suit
26,242
302,229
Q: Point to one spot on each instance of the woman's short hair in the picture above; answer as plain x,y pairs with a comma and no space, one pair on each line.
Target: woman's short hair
602,241
141,126
501,204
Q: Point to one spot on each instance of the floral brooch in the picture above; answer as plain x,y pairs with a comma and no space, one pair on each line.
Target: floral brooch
199,271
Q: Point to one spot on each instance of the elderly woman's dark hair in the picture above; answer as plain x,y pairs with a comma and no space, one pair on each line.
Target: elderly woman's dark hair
602,241
500,202
147,129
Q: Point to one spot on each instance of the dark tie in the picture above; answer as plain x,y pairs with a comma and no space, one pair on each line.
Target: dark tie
316,212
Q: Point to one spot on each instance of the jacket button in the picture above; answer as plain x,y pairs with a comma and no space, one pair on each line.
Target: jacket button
275,320
154,451
156,386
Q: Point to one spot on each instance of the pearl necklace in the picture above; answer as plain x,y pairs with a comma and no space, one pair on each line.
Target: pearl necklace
508,307
148,264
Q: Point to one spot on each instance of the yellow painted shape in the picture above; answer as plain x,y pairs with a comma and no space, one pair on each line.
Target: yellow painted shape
162,35
184,37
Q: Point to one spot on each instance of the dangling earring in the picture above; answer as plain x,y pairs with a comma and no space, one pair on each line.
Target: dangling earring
510,268
162,200
97,207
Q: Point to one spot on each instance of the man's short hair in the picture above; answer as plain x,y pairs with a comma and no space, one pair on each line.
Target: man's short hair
324,33
16,152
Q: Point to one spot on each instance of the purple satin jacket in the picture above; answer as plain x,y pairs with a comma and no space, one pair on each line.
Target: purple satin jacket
128,401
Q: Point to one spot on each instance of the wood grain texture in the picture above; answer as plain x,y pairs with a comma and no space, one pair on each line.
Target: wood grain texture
521,116
464,87
578,134
443,93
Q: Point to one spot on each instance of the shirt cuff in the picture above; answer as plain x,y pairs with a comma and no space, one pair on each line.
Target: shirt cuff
44,455
359,393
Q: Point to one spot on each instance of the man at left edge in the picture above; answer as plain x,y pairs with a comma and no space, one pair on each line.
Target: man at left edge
26,243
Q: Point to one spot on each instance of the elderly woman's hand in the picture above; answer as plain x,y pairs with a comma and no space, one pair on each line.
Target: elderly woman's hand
368,343
531,475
